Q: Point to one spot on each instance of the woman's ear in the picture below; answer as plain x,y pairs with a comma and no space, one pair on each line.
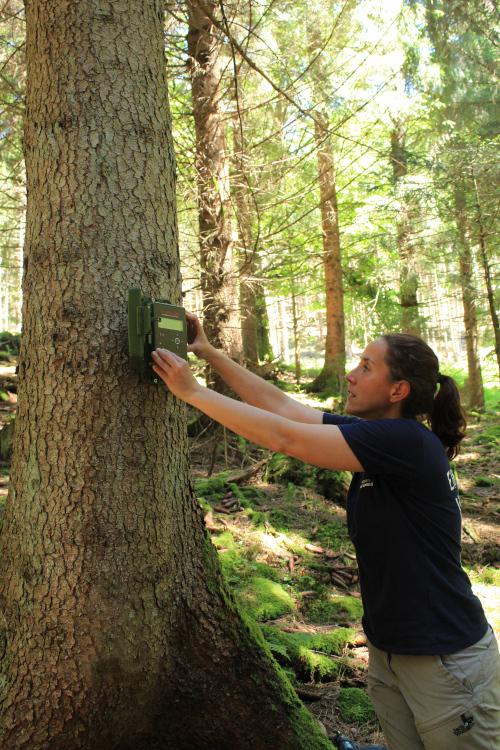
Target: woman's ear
400,391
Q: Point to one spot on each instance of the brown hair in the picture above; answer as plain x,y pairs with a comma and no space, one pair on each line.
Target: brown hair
409,358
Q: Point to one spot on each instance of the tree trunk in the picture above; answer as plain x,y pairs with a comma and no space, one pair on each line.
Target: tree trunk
487,273
408,278
332,374
469,294
218,274
253,308
333,371
116,629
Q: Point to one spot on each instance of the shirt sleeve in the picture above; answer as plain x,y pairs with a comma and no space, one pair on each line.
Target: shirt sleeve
387,446
338,419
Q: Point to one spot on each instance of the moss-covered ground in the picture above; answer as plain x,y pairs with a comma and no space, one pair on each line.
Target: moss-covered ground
284,549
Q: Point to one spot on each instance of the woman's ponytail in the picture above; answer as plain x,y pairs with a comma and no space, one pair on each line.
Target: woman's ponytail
409,358
446,417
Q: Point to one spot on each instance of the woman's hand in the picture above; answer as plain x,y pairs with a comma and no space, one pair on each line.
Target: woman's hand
175,373
197,340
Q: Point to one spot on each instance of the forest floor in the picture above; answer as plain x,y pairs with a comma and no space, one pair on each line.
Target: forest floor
286,554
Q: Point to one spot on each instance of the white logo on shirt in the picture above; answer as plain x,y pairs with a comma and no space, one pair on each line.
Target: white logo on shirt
453,485
451,480
366,483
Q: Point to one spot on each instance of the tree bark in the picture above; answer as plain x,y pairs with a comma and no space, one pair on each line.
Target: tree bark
333,371
332,374
469,294
487,273
408,278
221,316
116,629
253,307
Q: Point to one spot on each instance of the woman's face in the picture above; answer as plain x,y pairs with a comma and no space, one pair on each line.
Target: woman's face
371,394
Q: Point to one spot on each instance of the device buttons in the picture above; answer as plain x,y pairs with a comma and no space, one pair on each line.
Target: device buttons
177,341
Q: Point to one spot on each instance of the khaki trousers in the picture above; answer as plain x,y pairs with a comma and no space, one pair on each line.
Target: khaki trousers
449,702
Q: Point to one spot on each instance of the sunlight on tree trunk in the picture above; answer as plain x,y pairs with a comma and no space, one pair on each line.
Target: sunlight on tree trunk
469,295
333,372
218,274
487,274
408,278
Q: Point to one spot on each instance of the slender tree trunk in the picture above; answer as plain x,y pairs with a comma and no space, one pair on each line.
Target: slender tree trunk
408,278
254,320
116,629
218,274
333,372
296,331
469,294
487,274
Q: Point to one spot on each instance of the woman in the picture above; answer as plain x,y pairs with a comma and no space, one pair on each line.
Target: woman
434,674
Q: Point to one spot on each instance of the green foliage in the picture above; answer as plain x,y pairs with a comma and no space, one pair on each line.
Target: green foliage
333,610
10,343
287,470
265,599
297,651
355,706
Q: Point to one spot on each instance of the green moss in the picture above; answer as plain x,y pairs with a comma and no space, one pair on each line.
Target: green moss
265,571
334,609
264,599
355,706
306,733
226,539
285,470
333,534
297,651
256,517
290,493
483,482
204,504
490,436
487,576
209,487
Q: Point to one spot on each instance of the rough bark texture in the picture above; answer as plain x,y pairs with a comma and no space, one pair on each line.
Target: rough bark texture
116,630
218,275
408,277
469,294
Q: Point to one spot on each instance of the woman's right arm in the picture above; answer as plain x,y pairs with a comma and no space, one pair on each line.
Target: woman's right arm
251,388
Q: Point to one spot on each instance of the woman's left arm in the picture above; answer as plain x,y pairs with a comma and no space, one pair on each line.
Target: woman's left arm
320,445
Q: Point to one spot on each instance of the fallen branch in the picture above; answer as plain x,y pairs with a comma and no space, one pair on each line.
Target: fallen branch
242,475
313,548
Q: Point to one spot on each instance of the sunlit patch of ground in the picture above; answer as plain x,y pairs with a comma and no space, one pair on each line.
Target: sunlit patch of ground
490,599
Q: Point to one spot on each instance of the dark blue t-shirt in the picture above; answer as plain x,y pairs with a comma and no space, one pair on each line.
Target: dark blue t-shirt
404,519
